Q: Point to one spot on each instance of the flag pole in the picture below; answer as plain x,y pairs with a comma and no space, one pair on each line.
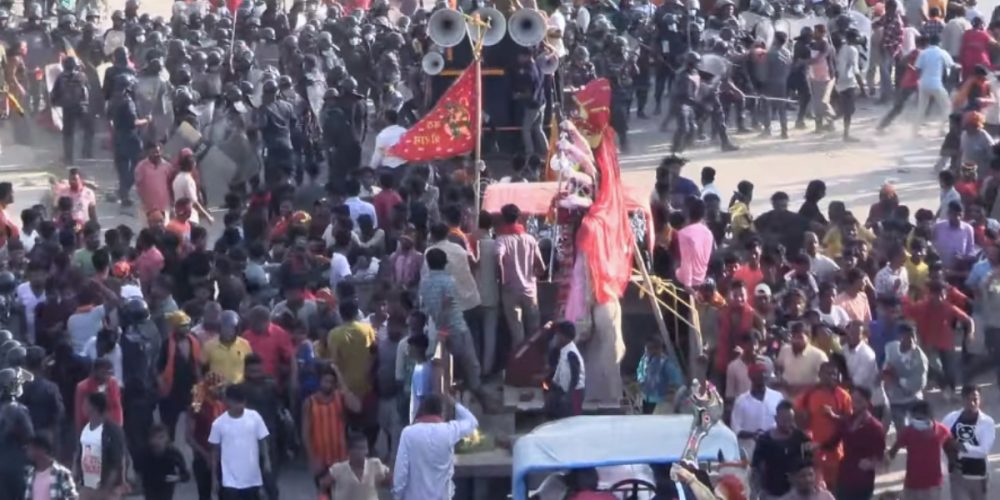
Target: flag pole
477,53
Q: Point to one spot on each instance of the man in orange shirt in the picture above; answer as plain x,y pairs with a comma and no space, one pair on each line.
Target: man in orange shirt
934,317
750,272
822,411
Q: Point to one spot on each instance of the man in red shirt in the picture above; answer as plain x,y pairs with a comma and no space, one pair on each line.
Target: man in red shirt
923,438
100,380
385,200
864,446
976,45
736,319
908,85
272,343
934,317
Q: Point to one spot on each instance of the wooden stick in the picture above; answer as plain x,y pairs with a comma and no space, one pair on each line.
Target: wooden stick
657,313
477,54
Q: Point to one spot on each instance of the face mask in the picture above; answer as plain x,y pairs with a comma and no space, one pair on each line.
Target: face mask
920,425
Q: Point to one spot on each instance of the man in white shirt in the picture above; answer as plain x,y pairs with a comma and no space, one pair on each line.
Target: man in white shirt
340,268
239,444
799,361
458,267
974,431
425,460
848,76
892,280
862,367
932,65
822,267
754,411
951,37
30,294
385,140
357,206
708,183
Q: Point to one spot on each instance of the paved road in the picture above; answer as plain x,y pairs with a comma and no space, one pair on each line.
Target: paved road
852,172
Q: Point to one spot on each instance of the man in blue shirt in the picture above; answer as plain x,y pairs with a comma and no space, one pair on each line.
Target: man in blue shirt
932,65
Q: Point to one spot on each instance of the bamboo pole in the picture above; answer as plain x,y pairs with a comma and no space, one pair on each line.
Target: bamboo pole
477,60
647,285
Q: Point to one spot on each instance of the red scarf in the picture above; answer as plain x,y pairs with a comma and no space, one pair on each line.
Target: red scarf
515,228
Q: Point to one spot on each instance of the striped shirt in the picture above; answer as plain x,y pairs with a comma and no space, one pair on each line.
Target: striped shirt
327,434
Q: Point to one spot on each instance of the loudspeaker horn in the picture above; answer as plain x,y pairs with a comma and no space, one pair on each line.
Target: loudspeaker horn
527,27
548,63
446,27
495,29
432,63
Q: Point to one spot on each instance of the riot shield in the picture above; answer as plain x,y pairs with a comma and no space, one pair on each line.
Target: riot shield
760,27
714,65
148,93
793,26
217,171
205,112
185,136
112,40
267,54
209,84
52,72
40,53
244,154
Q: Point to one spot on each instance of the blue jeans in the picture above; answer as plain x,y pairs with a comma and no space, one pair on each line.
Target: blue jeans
886,83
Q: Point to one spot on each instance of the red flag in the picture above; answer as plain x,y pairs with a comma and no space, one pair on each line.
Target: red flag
449,129
605,234
593,110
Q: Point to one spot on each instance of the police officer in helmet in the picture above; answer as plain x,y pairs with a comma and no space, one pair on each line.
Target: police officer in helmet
71,92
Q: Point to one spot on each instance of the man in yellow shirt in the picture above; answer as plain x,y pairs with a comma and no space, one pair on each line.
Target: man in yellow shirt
224,355
349,348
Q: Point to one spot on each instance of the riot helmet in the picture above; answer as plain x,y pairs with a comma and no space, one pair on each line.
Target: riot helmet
33,12
270,87
135,311
8,283
692,58
233,93
10,383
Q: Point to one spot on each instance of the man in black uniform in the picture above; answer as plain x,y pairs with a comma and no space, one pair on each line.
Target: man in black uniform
275,121
119,66
671,45
71,93
581,71
343,151
126,140
15,431
621,71
140,345
66,35
36,34
683,101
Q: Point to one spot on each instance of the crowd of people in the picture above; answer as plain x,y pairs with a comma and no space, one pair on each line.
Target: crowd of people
308,330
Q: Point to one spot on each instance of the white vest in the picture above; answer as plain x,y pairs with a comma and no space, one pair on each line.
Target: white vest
563,375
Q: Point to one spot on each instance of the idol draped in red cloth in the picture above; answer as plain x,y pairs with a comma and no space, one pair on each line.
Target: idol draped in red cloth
605,235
